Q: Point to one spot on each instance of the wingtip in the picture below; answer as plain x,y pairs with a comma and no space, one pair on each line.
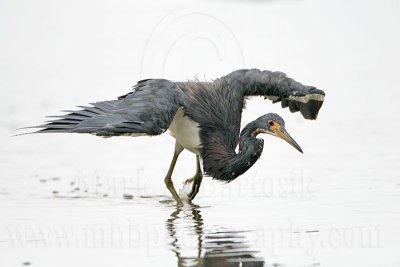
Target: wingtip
31,127
20,134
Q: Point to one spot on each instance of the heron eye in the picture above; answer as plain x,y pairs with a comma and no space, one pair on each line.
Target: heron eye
271,123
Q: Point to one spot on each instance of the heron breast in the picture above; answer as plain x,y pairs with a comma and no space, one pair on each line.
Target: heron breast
186,132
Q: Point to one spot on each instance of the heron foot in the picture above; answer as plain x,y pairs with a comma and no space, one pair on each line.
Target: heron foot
196,180
171,188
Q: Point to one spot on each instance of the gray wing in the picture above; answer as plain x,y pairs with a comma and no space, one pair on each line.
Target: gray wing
147,110
276,86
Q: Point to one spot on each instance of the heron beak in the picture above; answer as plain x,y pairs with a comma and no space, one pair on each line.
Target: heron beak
282,133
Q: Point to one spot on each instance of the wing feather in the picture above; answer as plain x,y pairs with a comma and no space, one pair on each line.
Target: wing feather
277,87
148,110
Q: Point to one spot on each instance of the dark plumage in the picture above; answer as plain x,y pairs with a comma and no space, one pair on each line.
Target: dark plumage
214,108
147,110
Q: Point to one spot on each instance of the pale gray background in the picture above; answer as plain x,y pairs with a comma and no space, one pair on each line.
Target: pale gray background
55,55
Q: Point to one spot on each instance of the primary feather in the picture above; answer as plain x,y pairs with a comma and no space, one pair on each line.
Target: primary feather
147,110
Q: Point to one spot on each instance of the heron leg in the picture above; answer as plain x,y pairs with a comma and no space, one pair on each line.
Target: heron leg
196,179
168,179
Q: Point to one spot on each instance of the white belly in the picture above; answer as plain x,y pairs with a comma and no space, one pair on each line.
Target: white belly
186,132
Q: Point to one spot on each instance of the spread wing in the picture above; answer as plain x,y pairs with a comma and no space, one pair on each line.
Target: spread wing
147,110
276,86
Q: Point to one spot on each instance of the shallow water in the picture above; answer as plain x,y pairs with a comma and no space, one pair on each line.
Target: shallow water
305,215
73,200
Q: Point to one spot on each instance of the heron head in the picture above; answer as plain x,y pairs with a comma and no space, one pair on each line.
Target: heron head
273,124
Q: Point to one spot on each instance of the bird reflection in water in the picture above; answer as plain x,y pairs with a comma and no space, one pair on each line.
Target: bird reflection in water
195,245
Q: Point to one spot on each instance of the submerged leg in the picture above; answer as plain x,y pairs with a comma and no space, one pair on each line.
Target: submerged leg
168,180
196,179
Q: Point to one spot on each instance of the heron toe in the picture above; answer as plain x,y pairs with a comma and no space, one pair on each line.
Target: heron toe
196,180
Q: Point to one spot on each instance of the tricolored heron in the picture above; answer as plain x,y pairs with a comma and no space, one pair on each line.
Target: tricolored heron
203,117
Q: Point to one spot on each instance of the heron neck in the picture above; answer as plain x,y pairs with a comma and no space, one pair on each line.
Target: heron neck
248,143
232,165
250,149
